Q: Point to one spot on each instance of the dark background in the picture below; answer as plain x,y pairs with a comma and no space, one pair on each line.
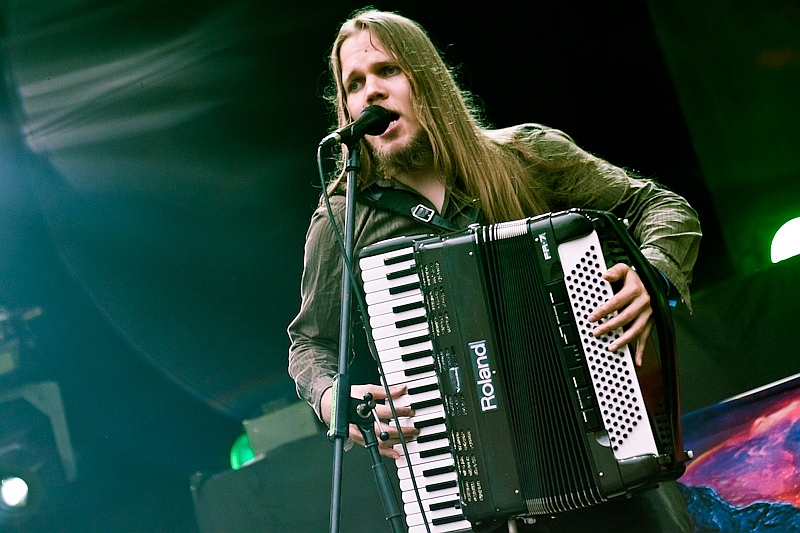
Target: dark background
158,174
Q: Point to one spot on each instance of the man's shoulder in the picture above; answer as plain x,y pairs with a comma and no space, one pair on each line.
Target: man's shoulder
529,132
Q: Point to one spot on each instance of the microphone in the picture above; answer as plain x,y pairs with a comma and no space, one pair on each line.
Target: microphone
373,121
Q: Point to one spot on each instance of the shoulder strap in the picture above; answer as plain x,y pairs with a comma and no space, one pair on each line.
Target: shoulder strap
404,203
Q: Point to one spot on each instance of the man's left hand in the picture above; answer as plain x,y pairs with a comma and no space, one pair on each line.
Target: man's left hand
635,313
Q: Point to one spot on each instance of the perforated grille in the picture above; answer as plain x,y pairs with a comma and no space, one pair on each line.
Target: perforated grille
613,374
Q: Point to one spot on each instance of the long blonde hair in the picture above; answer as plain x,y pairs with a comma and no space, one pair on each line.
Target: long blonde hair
491,173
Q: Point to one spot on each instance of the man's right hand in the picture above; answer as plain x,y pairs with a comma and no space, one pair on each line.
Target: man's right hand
384,414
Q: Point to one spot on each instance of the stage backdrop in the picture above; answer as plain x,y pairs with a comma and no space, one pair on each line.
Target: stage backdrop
746,471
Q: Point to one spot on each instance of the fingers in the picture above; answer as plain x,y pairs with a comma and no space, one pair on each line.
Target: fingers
632,288
633,333
384,412
634,312
382,408
633,316
641,341
387,447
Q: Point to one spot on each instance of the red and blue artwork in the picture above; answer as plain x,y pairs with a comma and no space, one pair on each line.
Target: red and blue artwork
746,472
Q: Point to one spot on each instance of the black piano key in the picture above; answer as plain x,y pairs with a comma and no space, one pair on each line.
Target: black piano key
398,258
404,288
410,321
402,273
430,438
416,355
434,452
419,370
413,341
433,487
408,307
428,423
424,388
455,504
447,519
426,403
437,471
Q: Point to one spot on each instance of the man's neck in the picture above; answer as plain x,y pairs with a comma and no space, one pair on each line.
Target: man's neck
428,184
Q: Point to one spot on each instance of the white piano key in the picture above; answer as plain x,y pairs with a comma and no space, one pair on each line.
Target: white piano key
399,377
419,471
386,347
448,489
435,412
392,318
434,485
392,330
383,284
412,397
453,509
398,365
441,528
422,388
418,447
417,459
412,507
371,274
386,296
379,260
432,432
390,351
387,307
449,507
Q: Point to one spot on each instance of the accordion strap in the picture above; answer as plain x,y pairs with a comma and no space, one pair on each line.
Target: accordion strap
404,203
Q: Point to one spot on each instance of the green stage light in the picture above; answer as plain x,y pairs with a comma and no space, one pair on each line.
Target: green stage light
241,452
786,242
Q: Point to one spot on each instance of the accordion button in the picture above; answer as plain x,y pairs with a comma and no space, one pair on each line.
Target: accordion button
592,419
578,377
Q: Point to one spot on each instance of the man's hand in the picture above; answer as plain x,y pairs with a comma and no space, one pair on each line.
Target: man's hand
633,303
382,410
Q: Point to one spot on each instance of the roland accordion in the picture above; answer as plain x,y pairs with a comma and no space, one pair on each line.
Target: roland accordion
521,411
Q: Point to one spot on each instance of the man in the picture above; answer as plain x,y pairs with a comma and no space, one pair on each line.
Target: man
438,153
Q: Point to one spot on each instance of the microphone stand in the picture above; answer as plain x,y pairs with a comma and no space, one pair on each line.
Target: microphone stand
344,409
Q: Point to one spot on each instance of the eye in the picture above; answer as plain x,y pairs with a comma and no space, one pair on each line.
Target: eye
354,85
391,70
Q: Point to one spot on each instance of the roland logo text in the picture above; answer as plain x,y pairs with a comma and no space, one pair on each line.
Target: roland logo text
483,375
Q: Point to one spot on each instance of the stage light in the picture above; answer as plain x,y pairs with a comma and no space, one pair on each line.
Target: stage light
241,452
36,460
13,493
786,242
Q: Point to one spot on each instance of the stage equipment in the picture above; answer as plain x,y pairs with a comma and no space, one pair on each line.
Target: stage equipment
36,459
374,120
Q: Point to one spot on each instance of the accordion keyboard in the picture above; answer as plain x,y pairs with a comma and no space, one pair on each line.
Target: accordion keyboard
400,331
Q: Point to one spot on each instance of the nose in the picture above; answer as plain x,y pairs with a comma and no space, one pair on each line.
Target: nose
375,89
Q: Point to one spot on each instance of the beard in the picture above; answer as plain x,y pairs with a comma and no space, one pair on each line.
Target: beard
416,155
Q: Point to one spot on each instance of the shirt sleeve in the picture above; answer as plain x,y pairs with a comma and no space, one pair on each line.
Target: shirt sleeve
662,222
314,333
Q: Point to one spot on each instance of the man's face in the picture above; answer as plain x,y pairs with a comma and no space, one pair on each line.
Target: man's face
371,76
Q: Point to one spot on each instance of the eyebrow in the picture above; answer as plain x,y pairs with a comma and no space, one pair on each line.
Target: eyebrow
374,66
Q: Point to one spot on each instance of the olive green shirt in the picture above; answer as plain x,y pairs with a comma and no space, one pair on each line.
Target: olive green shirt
662,222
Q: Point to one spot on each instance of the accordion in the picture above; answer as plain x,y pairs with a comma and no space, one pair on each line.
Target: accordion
521,411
